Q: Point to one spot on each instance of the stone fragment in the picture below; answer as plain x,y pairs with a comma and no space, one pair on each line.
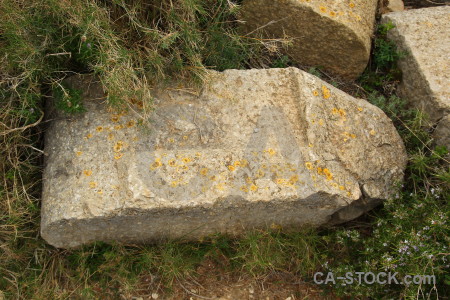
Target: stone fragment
319,157
335,35
424,35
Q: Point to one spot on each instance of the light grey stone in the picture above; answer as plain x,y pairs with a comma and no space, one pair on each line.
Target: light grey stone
319,157
424,35
335,35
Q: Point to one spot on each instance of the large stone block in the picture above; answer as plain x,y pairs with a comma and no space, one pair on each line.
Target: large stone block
256,149
335,35
424,35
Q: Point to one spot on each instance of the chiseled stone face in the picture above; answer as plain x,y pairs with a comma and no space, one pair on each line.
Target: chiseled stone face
256,149
335,35
424,35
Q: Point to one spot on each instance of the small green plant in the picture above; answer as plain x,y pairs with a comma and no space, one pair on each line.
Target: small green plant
68,99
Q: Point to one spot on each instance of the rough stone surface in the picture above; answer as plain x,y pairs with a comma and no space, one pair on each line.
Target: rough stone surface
424,34
388,6
335,35
255,149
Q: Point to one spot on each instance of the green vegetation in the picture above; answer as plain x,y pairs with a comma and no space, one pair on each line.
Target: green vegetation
135,45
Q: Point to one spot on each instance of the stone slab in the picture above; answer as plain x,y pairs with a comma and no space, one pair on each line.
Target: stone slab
335,35
275,148
424,34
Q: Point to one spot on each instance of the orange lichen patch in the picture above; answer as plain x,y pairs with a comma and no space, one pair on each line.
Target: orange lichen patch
308,165
92,184
334,111
204,171
115,118
328,174
156,164
118,146
87,172
271,151
244,189
326,92
341,187
315,93
237,163
172,163
118,155
253,188
131,123
186,160
351,4
174,183
78,153
100,192
352,135
320,171
213,178
332,13
99,128
280,181
323,9
342,112
293,179
360,108
118,127
110,137
231,168
372,132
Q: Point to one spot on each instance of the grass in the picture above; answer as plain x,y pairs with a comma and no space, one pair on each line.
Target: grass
135,45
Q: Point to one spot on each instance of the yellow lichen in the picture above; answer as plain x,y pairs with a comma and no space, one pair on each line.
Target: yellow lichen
99,129
115,118
254,188
131,123
315,93
341,112
326,92
92,184
185,137
271,151
198,154
213,178
118,146
237,163
118,127
323,9
171,140
244,188
319,171
372,132
110,136
118,155
260,173
360,108
87,172
88,135
231,168
308,165
328,174
341,187
244,163
79,153
321,122
172,163
100,192
353,135
204,171
332,13
280,181
293,179
310,145
156,164
351,4
186,160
